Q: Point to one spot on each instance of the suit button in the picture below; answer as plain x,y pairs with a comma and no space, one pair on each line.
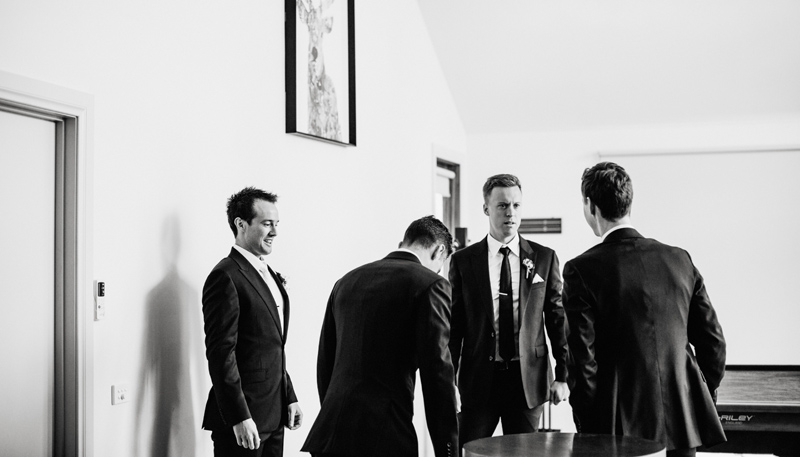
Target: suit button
491,358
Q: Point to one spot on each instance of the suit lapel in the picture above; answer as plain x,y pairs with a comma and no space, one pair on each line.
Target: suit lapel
253,276
480,273
285,296
525,280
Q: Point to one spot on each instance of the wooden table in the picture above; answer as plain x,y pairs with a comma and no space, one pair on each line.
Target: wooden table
553,444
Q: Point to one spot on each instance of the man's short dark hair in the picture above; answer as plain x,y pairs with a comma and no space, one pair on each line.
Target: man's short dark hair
609,188
428,231
502,180
241,204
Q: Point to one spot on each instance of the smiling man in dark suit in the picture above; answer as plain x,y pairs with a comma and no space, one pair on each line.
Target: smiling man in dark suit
506,290
647,350
383,321
246,313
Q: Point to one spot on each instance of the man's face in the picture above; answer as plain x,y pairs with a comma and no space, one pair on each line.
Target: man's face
257,235
502,207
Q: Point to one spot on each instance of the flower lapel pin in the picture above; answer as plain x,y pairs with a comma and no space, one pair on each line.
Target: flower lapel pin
281,279
529,265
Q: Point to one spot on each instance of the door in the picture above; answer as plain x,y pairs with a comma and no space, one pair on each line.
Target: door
27,288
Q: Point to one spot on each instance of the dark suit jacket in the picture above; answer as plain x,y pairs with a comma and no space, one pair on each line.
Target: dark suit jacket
383,321
472,336
244,348
635,309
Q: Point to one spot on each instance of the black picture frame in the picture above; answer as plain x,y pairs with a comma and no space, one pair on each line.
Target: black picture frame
321,70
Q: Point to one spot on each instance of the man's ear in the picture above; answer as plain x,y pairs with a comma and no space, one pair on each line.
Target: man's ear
437,252
485,209
591,206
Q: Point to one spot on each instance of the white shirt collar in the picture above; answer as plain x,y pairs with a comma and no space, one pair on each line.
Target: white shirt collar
494,245
260,265
257,263
614,229
410,252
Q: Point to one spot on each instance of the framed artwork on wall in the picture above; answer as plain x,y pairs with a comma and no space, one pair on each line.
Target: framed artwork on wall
320,70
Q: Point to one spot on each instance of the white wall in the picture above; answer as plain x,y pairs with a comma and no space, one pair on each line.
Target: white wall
189,108
550,167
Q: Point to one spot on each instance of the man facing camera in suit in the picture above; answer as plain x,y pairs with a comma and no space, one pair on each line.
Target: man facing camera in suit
506,290
383,321
636,308
246,314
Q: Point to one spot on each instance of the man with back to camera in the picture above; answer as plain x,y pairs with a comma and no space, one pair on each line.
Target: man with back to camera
635,308
246,314
506,290
384,320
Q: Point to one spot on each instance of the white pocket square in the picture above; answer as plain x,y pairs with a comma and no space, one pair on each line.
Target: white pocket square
537,278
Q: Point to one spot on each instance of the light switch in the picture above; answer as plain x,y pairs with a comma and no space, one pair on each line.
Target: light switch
99,300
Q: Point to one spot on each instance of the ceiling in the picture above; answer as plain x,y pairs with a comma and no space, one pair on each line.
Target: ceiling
544,65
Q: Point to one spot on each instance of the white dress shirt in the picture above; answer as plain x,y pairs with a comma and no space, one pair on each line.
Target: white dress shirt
410,252
263,268
614,229
495,264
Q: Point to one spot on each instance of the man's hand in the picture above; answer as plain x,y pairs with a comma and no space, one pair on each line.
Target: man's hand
247,434
295,416
558,392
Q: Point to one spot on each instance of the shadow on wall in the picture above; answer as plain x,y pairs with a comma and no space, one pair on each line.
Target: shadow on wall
172,360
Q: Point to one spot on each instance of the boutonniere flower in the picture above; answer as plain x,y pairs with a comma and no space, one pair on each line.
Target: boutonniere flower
282,280
529,265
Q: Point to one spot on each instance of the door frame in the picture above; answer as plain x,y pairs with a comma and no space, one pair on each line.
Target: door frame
444,157
74,352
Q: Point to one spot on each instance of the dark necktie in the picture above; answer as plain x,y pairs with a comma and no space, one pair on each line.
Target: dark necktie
506,309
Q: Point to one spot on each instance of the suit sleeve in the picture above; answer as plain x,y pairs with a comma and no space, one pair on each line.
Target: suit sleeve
555,319
327,349
457,322
221,322
578,304
705,334
291,397
436,367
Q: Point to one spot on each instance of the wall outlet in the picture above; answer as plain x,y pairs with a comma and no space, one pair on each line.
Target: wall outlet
120,393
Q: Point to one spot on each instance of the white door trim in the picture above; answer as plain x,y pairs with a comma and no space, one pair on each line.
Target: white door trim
72,112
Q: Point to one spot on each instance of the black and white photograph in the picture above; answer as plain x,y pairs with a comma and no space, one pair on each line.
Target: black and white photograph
407,228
